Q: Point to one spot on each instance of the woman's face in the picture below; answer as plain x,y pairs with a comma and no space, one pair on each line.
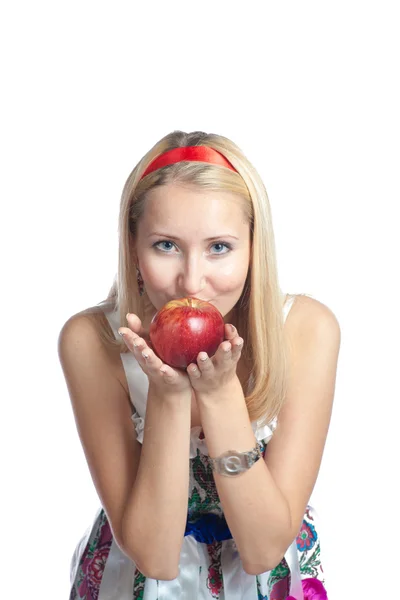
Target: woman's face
192,242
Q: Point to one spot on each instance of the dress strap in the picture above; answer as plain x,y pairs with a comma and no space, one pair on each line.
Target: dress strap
138,383
287,306
292,559
112,317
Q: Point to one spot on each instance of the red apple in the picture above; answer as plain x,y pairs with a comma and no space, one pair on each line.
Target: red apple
183,328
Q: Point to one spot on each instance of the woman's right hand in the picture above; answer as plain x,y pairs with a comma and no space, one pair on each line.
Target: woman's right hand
164,378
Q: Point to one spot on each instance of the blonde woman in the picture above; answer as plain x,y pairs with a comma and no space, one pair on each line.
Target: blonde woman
204,474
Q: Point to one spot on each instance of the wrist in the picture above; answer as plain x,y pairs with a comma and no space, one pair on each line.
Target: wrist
225,421
221,395
170,397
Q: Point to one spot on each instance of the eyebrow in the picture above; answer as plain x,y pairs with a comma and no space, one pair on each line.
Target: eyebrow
174,237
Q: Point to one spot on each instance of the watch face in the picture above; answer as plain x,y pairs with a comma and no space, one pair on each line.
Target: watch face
232,464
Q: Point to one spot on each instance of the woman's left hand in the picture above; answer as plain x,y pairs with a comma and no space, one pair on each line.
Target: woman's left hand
213,374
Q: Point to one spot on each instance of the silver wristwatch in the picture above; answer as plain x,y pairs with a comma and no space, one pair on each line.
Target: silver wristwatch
232,463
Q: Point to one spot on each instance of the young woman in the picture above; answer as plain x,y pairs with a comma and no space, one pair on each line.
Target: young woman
178,519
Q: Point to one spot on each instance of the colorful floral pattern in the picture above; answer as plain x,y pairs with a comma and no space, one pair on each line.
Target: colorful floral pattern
93,561
203,500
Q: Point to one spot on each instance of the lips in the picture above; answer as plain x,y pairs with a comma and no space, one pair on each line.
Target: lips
202,299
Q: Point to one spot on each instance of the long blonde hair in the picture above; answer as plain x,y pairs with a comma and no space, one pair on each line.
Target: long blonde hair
260,308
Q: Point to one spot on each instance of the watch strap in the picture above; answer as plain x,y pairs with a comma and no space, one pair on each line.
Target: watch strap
232,463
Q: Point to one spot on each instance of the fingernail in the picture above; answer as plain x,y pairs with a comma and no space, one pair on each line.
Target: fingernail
121,333
127,315
203,358
233,328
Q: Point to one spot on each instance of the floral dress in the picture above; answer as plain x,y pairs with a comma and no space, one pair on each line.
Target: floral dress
210,566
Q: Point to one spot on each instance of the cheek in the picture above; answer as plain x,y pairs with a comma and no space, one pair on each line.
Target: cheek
236,268
156,277
158,272
231,276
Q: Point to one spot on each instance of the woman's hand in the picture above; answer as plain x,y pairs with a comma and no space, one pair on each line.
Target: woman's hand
165,379
213,374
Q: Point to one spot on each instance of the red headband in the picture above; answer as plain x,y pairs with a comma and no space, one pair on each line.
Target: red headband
191,153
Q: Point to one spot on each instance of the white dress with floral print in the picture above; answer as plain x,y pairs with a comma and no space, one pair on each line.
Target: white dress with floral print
209,569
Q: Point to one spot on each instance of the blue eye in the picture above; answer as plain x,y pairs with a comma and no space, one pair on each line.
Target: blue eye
164,242
223,244
167,251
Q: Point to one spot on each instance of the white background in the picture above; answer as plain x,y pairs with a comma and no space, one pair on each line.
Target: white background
309,91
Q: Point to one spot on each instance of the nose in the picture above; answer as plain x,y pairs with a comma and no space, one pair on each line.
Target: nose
192,279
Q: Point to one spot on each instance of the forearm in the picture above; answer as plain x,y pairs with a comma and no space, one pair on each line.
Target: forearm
155,518
255,510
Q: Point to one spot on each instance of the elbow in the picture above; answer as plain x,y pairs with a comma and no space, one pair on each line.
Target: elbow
264,567
160,572
265,563
148,558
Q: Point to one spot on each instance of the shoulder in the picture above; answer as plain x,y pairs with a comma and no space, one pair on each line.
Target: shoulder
308,314
88,328
87,320
90,332
312,327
